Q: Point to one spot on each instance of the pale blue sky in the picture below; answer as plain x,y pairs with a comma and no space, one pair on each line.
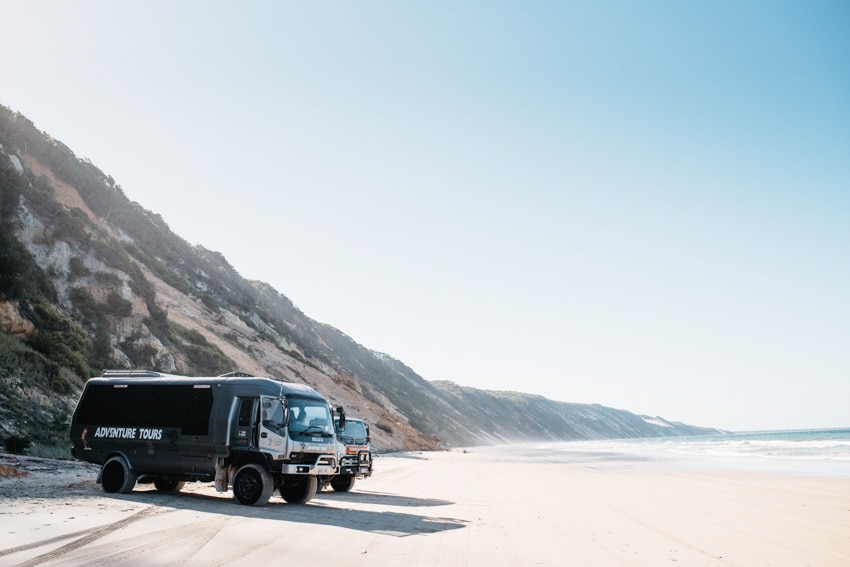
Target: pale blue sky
639,204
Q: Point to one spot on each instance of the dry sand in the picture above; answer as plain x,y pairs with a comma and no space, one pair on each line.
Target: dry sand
446,508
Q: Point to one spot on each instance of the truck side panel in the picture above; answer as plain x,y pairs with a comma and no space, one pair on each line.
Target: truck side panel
161,428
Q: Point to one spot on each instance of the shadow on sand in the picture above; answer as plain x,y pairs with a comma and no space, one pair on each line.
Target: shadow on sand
327,509
382,498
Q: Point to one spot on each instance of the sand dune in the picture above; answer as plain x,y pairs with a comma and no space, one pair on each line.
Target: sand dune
446,508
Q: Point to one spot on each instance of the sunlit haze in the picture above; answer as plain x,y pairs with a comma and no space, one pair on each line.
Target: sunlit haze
644,205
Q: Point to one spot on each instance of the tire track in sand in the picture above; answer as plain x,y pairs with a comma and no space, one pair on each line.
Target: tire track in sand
90,536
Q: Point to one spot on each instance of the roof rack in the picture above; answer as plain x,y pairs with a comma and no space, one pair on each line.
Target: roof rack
132,374
236,375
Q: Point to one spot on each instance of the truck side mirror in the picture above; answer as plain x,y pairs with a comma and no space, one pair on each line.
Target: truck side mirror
341,413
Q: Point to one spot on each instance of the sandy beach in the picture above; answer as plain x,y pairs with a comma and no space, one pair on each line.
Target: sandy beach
460,507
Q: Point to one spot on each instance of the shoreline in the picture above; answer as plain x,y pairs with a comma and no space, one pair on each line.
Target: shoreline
805,453
449,507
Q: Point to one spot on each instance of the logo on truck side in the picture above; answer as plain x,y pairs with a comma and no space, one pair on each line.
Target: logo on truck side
128,433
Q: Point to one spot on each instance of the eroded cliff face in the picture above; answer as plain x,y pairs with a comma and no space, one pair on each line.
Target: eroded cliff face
114,287
252,344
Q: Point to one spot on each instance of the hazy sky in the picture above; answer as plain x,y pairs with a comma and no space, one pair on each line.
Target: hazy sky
639,204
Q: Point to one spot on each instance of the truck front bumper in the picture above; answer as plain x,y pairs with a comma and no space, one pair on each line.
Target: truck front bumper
359,465
325,465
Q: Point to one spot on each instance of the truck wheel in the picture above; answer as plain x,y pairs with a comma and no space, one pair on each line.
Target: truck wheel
253,485
116,476
343,483
163,485
299,489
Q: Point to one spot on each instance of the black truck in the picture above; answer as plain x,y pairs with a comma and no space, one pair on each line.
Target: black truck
256,435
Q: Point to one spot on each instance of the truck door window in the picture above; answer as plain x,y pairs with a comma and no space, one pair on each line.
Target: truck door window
245,410
272,414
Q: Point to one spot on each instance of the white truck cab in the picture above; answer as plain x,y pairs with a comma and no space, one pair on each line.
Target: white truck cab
354,452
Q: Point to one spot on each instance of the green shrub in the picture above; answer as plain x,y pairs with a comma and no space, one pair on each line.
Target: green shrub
50,451
59,339
85,304
16,444
107,278
118,306
141,354
63,381
77,269
207,360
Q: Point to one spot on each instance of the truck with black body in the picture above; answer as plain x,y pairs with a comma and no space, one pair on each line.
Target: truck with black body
256,435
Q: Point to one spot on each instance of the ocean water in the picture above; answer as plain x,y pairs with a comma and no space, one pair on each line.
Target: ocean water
817,452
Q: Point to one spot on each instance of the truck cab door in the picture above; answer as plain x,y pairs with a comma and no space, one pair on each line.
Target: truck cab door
244,432
272,425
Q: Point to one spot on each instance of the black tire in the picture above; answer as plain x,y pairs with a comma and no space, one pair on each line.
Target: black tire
253,485
299,489
116,476
164,485
343,483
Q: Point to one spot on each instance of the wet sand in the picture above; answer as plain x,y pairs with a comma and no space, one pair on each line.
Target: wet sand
446,508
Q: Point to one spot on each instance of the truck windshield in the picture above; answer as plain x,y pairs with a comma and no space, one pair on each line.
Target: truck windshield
354,432
309,417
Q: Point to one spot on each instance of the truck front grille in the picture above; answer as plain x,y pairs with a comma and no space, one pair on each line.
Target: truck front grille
303,458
